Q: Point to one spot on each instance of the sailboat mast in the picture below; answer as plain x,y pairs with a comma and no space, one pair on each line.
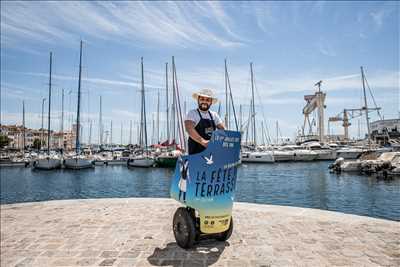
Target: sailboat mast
138,135
42,132
79,102
230,100
153,130
144,107
130,132
101,123
121,133
178,108
226,99
240,117
90,133
23,127
62,119
48,115
166,96
158,116
366,106
173,103
262,133
253,105
111,132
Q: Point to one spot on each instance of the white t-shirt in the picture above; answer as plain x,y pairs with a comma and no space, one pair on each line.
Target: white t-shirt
193,115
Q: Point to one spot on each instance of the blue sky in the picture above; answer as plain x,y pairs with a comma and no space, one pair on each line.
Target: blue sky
291,44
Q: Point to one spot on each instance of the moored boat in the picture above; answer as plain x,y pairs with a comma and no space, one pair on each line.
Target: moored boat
47,163
168,159
323,152
281,155
141,161
78,163
257,157
51,161
349,153
301,154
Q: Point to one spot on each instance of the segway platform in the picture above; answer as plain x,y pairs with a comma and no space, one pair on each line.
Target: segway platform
205,183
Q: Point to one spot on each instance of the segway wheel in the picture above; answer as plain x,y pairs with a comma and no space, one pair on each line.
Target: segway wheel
184,228
227,234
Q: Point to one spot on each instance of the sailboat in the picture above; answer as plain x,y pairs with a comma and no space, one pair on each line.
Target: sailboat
255,156
48,162
144,159
169,152
78,161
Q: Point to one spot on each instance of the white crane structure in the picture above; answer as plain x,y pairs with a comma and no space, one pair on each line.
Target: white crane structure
352,113
347,114
315,102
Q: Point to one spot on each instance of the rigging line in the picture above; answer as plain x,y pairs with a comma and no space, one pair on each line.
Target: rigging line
373,98
280,133
262,108
180,118
231,98
249,121
178,108
267,133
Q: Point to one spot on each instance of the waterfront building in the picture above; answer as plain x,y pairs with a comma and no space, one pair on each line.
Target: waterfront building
383,130
15,134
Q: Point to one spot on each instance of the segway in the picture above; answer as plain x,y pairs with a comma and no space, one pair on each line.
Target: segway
205,184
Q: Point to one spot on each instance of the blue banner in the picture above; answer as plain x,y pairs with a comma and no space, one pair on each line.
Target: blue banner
206,181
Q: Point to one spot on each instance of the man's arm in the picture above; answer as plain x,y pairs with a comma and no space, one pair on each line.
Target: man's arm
190,129
221,126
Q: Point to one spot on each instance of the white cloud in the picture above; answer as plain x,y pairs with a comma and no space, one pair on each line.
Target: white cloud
325,48
264,17
98,81
167,23
378,17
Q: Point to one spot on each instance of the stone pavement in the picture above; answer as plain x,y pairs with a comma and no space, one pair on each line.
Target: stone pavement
137,232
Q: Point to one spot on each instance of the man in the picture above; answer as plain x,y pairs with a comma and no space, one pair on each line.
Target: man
201,122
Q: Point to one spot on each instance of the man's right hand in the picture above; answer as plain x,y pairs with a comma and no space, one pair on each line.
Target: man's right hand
204,142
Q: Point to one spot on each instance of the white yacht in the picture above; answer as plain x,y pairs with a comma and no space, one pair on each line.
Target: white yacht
349,152
351,166
47,162
78,162
283,154
323,152
141,161
258,156
301,154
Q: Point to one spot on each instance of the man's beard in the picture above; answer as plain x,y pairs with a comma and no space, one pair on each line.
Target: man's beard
204,106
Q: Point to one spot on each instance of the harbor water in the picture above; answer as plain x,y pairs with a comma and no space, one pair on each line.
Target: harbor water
307,184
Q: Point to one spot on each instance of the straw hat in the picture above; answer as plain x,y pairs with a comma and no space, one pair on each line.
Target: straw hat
205,93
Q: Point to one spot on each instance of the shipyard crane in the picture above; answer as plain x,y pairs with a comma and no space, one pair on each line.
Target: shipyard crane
348,114
315,101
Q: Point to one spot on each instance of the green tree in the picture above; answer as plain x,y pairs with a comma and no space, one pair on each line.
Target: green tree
4,141
37,144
